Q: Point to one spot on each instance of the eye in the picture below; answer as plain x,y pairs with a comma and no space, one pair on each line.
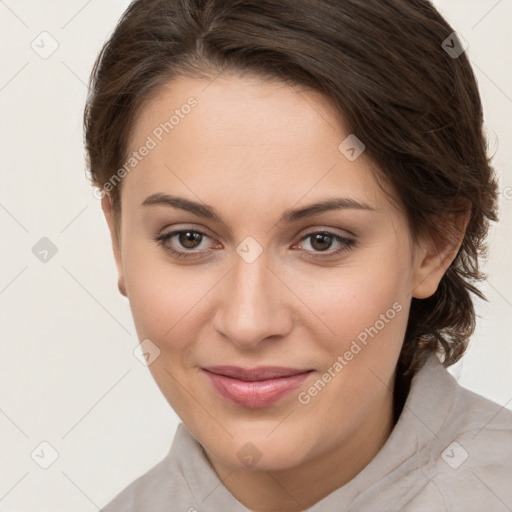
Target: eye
188,241
186,238
322,241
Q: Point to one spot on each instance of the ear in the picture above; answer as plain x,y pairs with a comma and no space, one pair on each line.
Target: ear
106,206
433,257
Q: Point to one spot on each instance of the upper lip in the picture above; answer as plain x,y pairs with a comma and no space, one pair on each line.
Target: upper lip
255,374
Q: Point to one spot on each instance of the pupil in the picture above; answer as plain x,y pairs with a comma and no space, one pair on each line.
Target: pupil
318,238
188,239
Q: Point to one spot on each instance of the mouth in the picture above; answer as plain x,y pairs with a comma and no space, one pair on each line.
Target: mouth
257,387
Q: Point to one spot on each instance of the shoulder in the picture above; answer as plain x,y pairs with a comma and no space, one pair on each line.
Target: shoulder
146,492
483,430
471,465
163,484
182,482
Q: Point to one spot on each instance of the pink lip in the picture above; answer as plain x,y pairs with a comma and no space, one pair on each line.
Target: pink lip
257,387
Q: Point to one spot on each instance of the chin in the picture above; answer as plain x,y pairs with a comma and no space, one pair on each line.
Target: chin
257,451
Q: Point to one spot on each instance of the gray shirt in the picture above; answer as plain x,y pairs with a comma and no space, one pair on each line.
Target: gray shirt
451,450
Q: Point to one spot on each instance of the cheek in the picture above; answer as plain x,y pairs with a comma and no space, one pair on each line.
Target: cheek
359,302
164,298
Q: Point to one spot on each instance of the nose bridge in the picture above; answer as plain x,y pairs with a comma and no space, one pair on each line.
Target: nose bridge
252,281
252,307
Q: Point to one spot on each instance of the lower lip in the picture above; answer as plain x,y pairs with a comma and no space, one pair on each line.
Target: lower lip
258,393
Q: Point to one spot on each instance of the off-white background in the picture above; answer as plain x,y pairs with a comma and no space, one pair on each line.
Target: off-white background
67,372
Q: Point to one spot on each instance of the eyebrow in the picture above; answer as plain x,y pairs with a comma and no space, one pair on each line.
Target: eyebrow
289,216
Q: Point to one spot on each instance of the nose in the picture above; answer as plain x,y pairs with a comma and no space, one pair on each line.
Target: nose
253,306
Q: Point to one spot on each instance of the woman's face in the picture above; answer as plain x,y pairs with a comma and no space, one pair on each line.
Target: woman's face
264,281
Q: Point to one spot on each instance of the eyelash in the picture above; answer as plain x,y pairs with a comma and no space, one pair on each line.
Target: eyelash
347,244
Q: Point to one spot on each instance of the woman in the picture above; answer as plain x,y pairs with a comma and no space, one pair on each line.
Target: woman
298,195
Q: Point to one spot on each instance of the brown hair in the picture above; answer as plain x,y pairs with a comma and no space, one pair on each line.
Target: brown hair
382,65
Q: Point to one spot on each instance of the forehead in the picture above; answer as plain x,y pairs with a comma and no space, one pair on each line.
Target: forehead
232,111
246,138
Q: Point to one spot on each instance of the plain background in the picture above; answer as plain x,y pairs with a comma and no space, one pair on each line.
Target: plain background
68,374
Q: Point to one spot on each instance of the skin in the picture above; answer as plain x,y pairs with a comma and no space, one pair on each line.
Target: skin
252,149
